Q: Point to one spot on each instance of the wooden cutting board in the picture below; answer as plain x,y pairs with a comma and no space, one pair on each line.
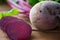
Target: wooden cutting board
36,35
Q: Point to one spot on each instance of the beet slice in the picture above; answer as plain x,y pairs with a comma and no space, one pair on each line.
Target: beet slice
16,28
5,20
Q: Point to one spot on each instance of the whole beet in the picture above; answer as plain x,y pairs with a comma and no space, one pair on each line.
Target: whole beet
16,28
44,15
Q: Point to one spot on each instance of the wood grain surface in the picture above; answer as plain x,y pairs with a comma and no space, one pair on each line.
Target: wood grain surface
36,35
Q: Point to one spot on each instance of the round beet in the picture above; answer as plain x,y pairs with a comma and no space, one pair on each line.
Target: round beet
17,29
44,15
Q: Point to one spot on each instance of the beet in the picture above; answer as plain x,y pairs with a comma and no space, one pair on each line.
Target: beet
44,14
6,19
16,28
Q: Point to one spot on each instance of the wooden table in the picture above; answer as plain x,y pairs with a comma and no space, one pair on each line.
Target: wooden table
36,35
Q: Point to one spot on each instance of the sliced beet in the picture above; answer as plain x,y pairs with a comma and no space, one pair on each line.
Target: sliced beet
5,20
16,28
8,19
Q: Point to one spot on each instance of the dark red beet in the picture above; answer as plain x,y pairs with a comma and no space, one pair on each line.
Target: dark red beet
17,29
5,20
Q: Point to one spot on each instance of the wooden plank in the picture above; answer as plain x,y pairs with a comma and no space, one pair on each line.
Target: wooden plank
3,35
4,7
36,35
